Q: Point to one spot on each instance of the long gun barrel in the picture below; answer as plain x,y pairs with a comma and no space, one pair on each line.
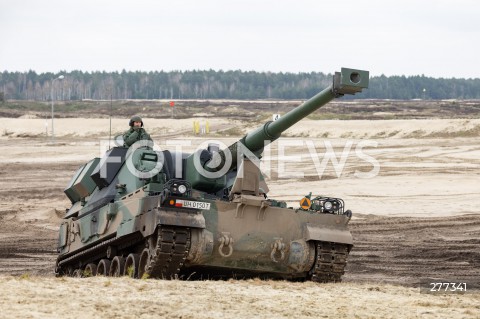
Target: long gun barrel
348,81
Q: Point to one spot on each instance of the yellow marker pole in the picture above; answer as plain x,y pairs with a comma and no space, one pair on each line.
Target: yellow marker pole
197,127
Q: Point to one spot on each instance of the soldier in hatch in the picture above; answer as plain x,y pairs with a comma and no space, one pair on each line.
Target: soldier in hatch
135,133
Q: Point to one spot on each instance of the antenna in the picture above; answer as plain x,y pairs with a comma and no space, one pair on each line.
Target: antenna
110,136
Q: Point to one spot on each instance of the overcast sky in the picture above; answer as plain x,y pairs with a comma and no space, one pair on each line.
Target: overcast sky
437,38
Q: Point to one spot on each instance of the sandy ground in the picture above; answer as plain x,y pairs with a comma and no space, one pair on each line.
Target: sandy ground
360,129
417,217
80,127
127,298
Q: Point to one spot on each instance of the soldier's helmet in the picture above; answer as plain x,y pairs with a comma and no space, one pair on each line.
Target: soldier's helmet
136,118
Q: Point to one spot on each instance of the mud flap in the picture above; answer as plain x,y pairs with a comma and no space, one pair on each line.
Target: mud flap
342,236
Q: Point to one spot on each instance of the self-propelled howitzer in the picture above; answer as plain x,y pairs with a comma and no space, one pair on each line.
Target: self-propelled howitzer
160,214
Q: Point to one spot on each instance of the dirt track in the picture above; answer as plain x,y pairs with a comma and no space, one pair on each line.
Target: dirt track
417,219
406,250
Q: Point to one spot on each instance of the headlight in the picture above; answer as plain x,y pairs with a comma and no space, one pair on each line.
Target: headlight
328,205
177,187
182,189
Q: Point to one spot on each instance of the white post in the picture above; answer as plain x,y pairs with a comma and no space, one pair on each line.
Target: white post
60,77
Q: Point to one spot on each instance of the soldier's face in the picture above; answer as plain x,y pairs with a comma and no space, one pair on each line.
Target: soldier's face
137,124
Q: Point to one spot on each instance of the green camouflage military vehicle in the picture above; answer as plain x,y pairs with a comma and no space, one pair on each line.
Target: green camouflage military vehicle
159,214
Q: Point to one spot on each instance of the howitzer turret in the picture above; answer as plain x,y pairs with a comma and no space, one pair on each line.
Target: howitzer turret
159,214
348,81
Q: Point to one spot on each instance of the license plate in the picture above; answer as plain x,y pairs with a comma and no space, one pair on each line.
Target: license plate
192,204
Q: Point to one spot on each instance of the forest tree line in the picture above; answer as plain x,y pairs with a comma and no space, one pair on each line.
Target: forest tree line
78,85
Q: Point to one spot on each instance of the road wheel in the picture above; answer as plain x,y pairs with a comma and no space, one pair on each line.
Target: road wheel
131,266
117,268
77,273
90,270
143,263
103,267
